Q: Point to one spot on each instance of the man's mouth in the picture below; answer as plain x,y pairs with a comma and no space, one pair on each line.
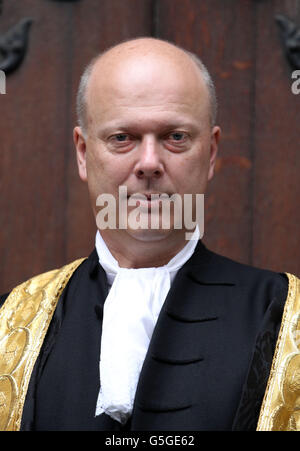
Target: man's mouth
147,200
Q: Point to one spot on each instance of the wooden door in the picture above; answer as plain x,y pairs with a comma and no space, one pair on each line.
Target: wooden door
252,206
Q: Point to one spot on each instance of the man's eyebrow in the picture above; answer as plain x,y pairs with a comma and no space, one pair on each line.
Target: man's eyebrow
162,126
105,129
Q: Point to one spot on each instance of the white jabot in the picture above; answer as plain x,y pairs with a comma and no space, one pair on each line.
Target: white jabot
130,313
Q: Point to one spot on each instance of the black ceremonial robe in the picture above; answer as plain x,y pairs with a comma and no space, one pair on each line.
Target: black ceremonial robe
208,361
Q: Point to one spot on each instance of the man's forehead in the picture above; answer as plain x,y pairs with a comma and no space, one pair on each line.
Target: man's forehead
141,76
151,101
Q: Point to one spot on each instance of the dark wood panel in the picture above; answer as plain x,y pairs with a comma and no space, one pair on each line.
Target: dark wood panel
45,218
276,231
222,34
33,136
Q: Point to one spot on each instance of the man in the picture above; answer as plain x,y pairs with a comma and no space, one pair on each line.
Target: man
152,331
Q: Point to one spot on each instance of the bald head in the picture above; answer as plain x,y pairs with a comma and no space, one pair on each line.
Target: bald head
151,56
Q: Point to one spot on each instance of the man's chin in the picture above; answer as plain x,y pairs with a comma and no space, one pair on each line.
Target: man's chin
149,235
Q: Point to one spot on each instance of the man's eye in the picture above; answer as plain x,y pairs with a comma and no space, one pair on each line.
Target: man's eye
177,141
121,137
177,136
121,142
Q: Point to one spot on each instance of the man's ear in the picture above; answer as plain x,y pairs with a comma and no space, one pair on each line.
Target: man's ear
80,144
215,137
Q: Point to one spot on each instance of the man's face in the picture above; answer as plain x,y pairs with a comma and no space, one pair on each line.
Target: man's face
148,130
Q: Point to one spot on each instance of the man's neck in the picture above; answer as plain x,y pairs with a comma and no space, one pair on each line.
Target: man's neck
143,252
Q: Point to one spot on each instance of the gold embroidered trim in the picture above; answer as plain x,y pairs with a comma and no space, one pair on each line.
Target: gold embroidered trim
280,409
24,320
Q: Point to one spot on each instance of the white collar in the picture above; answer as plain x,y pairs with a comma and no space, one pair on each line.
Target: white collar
130,313
111,265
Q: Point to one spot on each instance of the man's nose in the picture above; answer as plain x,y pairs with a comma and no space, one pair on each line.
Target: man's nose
149,163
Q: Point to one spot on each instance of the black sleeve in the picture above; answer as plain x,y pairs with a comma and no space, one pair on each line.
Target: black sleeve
259,370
